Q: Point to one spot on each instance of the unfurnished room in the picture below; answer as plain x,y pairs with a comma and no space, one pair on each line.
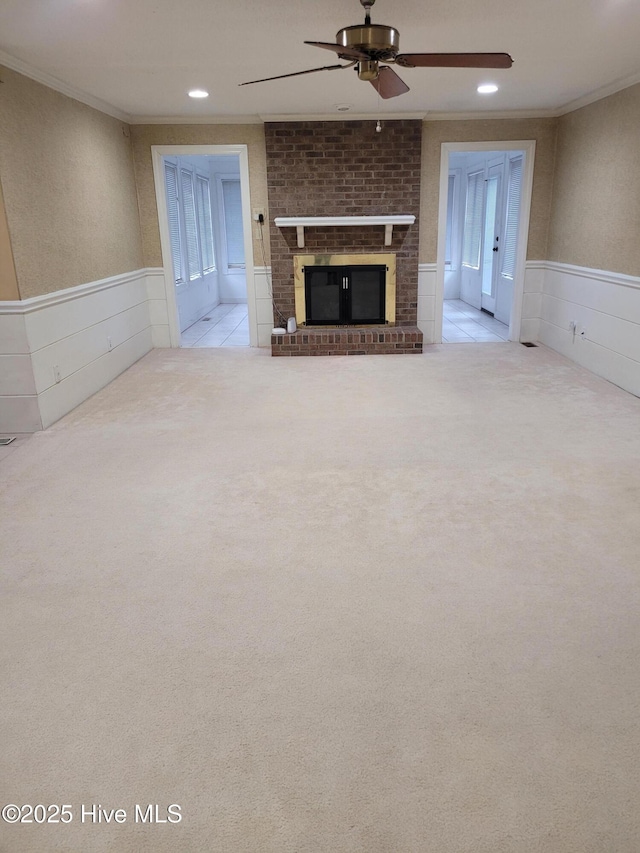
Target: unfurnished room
319,427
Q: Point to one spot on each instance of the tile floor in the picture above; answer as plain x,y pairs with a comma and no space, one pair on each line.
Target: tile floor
461,323
224,326
227,326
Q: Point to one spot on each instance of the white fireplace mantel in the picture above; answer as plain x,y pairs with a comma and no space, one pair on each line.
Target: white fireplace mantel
302,222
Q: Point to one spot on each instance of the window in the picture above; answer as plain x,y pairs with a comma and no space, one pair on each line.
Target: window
173,207
190,226
450,214
205,229
513,215
234,234
473,220
190,222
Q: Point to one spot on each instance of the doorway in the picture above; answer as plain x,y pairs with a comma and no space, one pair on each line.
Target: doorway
485,197
204,214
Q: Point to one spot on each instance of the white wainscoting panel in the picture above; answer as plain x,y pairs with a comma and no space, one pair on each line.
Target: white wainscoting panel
16,376
158,311
69,344
427,301
63,397
19,410
13,331
534,274
59,360
58,315
18,400
264,304
19,413
605,307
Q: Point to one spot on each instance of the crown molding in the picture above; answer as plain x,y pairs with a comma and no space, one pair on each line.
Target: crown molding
52,82
491,116
199,119
346,116
604,92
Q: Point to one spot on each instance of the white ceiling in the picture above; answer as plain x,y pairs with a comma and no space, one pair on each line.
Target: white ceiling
141,56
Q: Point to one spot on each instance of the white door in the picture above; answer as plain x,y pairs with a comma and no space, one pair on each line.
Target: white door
491,247
471,272
507,265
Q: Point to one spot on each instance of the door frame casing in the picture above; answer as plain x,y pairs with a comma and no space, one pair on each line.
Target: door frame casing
528,146
158,152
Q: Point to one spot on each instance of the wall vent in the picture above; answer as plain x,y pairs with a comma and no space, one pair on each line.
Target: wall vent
528,344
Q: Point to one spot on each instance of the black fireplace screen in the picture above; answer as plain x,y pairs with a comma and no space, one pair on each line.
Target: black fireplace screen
346,295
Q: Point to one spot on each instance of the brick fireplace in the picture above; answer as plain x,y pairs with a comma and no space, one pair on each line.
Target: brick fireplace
345,169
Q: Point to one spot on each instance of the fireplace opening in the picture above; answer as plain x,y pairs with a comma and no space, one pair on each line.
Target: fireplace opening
345,289
345,295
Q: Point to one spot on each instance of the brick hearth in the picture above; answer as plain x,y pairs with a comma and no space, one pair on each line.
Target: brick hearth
349,340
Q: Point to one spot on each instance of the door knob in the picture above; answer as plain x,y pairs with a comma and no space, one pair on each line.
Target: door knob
495,248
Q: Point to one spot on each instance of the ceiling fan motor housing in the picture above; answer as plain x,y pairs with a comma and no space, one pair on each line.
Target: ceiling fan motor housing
381,43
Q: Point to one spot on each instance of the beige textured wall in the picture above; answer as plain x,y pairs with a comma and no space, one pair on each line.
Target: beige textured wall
69,188
8,280
144,136
434,133
595,218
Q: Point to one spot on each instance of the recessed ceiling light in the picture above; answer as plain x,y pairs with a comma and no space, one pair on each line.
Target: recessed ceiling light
198,93
343,108
487,89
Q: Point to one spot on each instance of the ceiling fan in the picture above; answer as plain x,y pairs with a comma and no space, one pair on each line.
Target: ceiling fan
366,47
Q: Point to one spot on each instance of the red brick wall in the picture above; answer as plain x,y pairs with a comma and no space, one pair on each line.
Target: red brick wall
345,168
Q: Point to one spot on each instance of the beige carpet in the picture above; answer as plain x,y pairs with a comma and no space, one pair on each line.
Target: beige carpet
381,604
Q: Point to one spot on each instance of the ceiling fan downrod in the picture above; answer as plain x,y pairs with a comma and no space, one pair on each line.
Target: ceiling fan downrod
367,10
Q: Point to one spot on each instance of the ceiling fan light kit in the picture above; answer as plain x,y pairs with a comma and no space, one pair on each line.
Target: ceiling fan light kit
366,46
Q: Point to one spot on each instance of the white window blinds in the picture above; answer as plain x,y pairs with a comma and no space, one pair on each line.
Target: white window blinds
190,228
513,215
232,202
171,182
473,220
450,206
204,223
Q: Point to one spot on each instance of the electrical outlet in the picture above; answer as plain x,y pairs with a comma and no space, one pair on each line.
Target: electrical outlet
257,213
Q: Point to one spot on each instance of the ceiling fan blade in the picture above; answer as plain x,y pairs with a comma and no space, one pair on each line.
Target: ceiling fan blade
341,50
454,60
387,84
295,74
